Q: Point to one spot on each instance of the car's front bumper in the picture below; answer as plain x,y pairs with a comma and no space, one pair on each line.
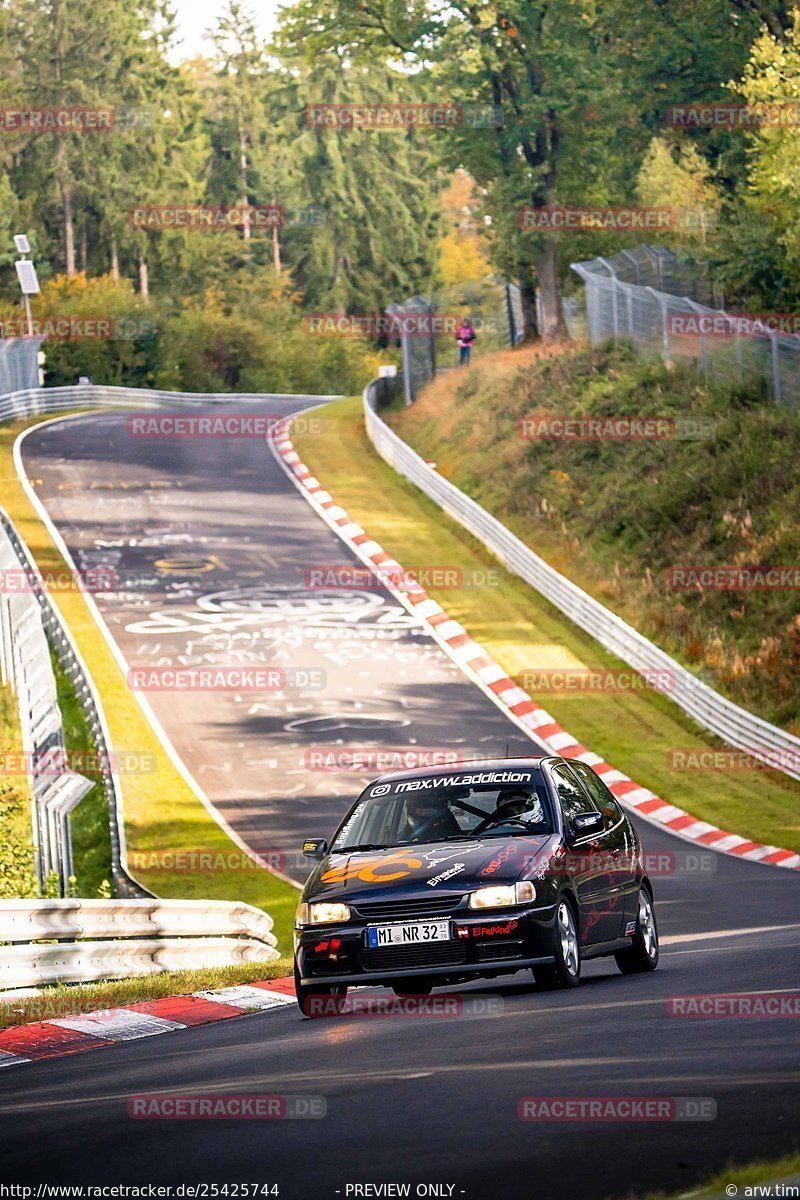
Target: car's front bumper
480,944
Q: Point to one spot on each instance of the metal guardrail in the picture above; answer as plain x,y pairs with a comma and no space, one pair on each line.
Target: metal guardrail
24,620
33,401
713,712
26,668
75,941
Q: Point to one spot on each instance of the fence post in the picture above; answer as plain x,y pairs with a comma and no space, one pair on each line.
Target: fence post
614,312
776,370
703,354
660,301
629,295
512,328
432,341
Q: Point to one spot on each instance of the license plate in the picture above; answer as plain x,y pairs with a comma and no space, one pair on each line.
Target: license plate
408,935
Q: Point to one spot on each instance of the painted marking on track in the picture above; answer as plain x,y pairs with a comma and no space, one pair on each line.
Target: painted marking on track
711,935
247,997
119,1024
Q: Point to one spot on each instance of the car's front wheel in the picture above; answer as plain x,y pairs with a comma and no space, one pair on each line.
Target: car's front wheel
565,970
642,954
319,999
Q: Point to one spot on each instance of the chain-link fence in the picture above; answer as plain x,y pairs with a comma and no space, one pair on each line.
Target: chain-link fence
656,267
417,343
427,328
665,321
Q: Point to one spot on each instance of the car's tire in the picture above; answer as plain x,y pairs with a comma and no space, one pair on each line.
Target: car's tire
413,987
319,999
642,954
565,970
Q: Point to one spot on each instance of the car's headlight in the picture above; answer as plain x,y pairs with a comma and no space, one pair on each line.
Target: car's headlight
322,913
503,895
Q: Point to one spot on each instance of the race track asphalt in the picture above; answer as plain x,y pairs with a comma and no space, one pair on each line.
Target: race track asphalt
417,1100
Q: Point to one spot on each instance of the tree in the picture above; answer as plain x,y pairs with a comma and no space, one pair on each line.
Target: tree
536,62
679,178
377,192
772,76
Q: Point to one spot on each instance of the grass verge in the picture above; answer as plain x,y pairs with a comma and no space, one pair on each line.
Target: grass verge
17,865
64,1000
629,520
162,813
742,1178
633,730
91,838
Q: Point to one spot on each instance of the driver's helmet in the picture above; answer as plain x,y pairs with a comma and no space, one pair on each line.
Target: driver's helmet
511,802
425,808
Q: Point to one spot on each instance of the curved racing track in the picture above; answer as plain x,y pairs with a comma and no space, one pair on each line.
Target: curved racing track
215,543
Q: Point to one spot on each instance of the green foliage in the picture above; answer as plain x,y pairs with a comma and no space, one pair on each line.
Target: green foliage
618,516
91,839
17,868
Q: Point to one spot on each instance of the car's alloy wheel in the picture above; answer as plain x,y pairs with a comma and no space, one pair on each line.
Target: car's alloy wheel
642,954
566,967
319,999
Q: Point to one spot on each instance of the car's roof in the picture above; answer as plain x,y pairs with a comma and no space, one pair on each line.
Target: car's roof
467,767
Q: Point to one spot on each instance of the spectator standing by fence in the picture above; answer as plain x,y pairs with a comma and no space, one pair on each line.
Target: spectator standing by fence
465,336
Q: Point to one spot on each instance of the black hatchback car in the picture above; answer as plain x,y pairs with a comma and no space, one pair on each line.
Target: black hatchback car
483,869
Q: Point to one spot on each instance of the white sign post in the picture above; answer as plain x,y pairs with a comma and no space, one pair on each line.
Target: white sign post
26,274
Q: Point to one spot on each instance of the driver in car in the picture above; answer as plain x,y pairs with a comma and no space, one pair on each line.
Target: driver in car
430,819
512,803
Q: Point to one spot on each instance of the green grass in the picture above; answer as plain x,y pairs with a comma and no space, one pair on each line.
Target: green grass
91,838
740,1176
17,867
162,812
64,1000
616,517
634,731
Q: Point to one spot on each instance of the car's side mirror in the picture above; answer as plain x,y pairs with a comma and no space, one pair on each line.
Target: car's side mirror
315,848
586,822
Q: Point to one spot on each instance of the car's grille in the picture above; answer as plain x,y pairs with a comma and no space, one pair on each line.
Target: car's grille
441,954
389,910
491,951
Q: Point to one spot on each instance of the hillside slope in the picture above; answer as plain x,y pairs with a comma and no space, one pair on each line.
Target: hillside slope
621,517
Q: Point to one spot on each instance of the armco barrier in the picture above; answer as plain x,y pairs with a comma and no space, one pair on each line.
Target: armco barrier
722,717
26,668
141,937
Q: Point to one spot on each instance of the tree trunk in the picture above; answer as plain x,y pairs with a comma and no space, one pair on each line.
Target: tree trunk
243,169
69,227
554,326
84,250
527,291
276,242
114,259
144,278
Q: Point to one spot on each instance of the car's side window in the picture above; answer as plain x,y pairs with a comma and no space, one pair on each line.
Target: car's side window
603,798
571,796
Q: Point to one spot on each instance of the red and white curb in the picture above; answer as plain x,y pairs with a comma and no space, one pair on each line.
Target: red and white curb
109,1026
517,704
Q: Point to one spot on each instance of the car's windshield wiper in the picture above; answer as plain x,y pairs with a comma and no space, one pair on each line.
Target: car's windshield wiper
363,846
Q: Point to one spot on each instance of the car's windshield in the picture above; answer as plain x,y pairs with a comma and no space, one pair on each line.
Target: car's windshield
483,804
